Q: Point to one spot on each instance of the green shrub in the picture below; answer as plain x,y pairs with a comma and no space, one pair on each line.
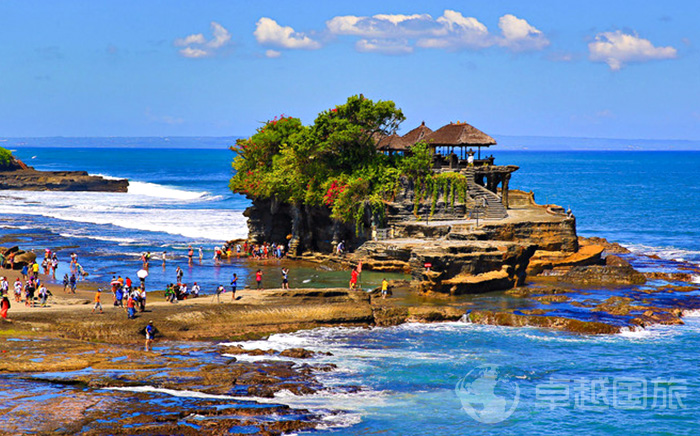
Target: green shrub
5,158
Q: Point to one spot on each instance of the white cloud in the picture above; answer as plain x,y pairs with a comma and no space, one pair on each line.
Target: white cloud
384,46
382,25
456,31
519,35
268,32
398,34
191,52
190,39
197,46
272,53
617,49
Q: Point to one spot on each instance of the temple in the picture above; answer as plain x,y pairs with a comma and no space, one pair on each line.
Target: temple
452,147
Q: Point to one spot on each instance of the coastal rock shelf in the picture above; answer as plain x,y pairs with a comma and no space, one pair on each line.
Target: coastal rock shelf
29,179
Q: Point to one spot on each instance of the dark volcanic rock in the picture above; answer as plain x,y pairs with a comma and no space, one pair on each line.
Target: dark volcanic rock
29,179
604,275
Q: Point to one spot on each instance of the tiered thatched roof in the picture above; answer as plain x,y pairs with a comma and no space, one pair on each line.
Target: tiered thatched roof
392,142
417,134
458,134
451,135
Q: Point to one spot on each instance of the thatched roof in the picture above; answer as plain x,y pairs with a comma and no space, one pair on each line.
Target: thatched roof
417,134
454,134
391,142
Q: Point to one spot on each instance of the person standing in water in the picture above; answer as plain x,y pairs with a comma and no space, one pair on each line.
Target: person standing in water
190,253
258,279
179,274
201,255
285,278
164,259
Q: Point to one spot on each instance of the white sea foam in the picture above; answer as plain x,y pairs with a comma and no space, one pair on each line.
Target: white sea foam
319,402
128,211
691,313
100,238
161,191
668,253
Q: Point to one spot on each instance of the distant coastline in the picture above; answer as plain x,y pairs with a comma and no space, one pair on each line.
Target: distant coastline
505,143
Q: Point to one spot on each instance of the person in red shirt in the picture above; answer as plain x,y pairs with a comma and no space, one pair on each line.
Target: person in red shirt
131,307
353,278
258,279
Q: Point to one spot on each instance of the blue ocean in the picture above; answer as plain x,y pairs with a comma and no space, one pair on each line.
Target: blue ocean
445,378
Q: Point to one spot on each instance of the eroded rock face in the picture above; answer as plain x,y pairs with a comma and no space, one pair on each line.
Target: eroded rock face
303,228
604,275
31,180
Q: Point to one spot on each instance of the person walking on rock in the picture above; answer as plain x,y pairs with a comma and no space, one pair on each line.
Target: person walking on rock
98,303
4,306
150,332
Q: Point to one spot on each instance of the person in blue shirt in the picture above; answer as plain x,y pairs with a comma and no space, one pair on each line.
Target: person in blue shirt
150,333
234,284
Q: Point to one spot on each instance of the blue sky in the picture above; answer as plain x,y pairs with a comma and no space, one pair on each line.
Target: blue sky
217,68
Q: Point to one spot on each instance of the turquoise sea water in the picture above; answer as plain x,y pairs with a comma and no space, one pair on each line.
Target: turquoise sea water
409,374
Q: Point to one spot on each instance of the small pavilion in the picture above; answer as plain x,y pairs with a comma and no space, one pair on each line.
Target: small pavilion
451,145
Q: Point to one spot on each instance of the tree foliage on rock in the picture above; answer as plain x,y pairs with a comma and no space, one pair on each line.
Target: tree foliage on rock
332,163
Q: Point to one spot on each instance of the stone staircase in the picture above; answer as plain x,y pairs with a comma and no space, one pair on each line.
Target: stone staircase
494,209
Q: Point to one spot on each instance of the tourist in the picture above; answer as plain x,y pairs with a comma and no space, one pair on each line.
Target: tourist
25,272
234,284
142,299
163,256
43,295
150,334
118,294
72,281
353,278
54,265
45,265
285,278
220,290
195,290
4,286
340,248
18,290
258,279
98,303
131,307
201,255
4,306
79,270
385,288
35,269
190,253
179,274
29,293
183,292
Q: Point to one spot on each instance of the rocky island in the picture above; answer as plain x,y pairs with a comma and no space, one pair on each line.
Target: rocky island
425,203
16,175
